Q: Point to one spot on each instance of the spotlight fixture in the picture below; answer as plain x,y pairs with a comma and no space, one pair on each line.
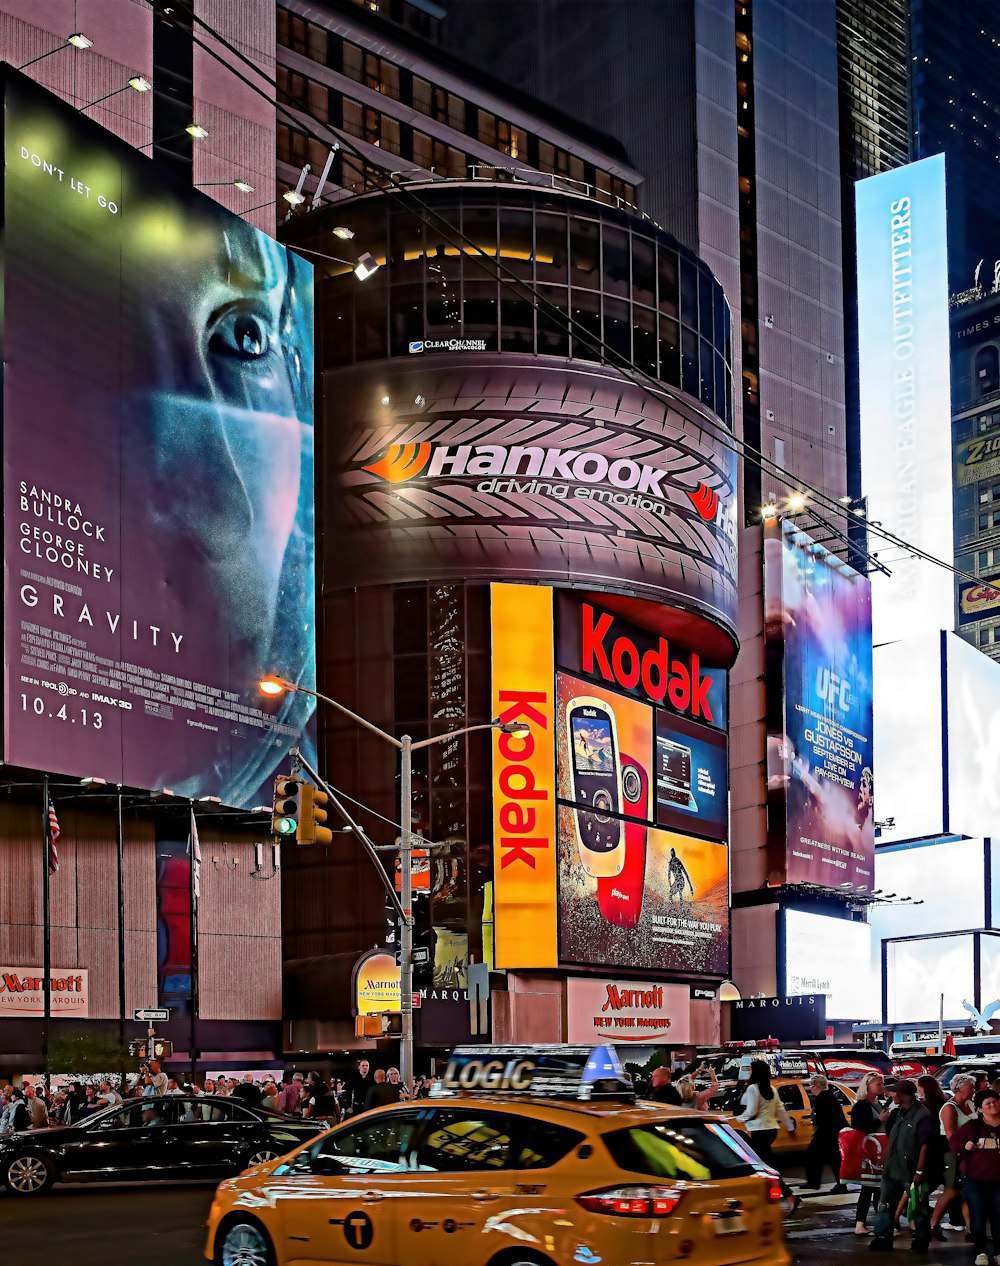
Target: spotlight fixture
243,186
769,511
345,234
797,502
294,198
386,401
79,40
139,84
366,267
197,131
93,781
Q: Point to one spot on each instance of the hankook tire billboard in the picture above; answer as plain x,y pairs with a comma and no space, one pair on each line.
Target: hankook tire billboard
476,466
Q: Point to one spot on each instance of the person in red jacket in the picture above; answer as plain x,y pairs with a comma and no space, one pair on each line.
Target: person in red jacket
977,1145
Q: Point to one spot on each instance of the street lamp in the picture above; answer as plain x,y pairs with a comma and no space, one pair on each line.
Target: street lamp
273,686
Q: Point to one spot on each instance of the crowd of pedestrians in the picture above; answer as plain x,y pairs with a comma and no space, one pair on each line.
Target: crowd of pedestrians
33,1106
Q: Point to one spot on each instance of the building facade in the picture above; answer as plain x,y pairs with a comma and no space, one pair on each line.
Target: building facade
513,523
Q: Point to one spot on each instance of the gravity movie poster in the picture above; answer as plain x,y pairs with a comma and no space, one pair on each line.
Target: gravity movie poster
158,470
818,630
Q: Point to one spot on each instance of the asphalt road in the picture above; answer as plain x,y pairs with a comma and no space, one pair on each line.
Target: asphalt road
164,1226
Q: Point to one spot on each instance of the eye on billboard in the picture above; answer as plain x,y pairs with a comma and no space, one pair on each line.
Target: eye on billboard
158,469
903,336
820,786
524,790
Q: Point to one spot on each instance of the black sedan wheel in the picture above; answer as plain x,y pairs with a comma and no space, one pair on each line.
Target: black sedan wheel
261,1157
244,1244
28,1175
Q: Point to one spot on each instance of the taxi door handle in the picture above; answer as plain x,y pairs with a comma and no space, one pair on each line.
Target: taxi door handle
486,1195
371,1197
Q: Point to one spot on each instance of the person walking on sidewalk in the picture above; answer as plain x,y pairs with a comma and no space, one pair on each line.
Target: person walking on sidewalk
958,1111
977,1145
824,1147
905,1161
762,1112
868,1116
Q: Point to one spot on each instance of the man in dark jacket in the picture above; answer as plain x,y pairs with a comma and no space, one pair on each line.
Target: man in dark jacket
824,1147
912,1132
663,1091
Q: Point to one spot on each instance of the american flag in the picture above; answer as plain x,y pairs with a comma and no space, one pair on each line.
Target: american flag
54,833
195,858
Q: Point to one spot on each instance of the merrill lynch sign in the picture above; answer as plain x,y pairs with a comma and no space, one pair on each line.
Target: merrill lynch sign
21,992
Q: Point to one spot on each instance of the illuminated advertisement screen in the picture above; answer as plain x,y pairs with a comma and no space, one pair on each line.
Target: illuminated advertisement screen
829,956
909,754
973,754
817,623
524,777
903,336
158,469
918,972
631,894
448,468
692,777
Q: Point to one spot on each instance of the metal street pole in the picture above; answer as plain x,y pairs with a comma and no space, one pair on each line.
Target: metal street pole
406,901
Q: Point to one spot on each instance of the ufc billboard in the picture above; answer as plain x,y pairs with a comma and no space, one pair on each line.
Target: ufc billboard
531,472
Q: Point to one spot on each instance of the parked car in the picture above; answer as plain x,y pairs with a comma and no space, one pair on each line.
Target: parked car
151,1140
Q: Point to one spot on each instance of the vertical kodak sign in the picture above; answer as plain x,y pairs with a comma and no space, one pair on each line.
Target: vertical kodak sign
524,777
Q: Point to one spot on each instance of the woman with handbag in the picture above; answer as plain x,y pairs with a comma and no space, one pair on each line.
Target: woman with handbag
869,1116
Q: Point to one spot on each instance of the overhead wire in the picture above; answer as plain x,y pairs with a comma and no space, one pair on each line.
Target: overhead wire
640,378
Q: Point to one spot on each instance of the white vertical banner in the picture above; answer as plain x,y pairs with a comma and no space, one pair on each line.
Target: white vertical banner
905,389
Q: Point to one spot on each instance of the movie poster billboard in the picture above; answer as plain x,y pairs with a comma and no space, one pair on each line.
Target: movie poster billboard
820,787
158,469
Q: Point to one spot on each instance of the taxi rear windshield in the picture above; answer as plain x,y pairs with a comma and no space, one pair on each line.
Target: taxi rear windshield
686,1150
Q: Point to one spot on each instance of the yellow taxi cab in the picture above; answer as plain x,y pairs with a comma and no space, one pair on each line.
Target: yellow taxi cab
793,1092
522,1157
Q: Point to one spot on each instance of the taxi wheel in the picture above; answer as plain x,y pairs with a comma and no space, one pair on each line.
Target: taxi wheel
243,1242
28,1175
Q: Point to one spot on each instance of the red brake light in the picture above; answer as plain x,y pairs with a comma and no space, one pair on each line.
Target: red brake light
632,1202
774,1192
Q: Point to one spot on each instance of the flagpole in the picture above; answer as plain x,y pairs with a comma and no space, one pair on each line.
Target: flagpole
120,864
195,852
46,938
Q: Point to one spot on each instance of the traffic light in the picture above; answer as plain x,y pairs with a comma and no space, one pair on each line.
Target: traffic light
287,814
312,817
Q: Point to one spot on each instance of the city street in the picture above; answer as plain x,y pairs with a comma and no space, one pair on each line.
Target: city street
94,1227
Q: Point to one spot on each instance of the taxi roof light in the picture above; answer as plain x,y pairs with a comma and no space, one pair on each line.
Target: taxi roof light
632,1202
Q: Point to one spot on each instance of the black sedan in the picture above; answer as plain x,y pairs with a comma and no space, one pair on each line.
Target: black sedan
148,1140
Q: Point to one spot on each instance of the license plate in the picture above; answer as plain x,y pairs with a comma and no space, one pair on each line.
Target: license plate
729,1224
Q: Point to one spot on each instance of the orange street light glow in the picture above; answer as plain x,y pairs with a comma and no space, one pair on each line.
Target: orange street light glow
271,686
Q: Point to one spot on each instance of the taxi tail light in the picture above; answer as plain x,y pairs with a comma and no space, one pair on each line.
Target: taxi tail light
632,1202
774,1192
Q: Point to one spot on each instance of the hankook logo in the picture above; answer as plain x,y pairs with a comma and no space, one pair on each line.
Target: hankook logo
539,471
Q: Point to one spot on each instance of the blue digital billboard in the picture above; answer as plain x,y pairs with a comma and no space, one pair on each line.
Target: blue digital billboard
820,785
905,392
